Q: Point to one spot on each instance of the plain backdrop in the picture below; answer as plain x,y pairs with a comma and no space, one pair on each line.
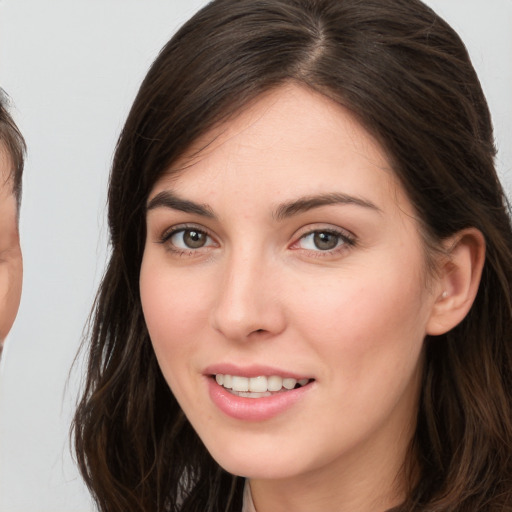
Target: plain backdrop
72,68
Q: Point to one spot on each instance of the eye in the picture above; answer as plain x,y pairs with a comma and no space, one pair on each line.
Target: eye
320,240
183,239
324,240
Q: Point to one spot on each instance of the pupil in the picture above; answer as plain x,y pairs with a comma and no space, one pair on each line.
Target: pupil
325,241
194,239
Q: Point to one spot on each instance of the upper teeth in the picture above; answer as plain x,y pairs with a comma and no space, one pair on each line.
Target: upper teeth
260,384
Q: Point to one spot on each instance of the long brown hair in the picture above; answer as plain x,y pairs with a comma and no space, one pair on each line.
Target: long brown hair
407,76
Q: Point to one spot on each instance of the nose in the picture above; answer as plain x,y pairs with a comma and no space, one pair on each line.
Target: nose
248,302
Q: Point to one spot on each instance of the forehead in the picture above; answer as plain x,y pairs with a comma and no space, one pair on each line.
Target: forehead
8,203
294,140
5,167
8,208
289,117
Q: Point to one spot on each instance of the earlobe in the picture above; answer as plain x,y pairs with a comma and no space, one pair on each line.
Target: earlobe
458,280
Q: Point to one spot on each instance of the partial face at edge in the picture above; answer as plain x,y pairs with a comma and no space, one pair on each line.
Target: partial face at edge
11,265
287,247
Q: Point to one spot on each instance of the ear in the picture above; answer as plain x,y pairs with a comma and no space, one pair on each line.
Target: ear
458,280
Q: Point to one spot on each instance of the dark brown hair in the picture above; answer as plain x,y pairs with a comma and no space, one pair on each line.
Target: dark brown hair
407,77
12,141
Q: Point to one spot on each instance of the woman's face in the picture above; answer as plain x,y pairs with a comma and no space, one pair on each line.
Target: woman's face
284,254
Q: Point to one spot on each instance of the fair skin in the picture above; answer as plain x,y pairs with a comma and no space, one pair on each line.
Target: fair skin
11,265
288,248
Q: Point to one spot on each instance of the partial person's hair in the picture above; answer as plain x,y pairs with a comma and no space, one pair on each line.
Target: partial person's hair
407,77
12,142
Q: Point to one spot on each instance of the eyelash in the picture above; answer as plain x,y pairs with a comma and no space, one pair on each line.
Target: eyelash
345,240
165,239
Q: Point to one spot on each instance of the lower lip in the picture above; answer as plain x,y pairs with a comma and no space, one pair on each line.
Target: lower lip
254,409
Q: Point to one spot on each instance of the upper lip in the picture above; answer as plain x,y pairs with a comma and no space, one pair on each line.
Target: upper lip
253,370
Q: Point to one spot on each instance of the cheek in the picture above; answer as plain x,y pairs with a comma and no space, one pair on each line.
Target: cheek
175,308
369,335
11,277
166,317
371,324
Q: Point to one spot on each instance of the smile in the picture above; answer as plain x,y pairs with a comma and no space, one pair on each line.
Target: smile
256,396
258,387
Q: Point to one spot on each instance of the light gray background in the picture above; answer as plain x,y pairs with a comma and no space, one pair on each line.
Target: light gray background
72,68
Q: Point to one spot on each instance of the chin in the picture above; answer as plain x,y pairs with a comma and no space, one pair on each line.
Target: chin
256,463
256,470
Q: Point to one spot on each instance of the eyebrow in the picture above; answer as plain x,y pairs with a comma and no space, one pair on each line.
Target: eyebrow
304,204
167,199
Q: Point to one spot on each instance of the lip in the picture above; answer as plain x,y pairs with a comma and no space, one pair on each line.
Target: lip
253,409
251,371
